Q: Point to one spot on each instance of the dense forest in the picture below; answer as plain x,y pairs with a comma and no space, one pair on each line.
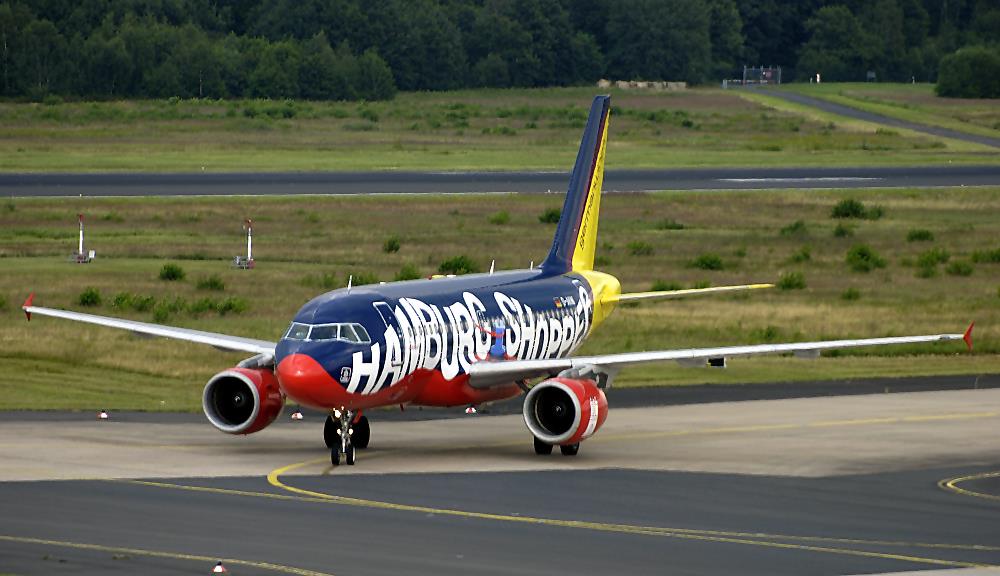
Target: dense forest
367,49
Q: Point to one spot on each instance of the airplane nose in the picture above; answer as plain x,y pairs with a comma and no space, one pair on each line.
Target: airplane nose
304,380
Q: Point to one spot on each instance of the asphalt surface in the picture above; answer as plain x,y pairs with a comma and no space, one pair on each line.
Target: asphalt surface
832,485
266,184
880,119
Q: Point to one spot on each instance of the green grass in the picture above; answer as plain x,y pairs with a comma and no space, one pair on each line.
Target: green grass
911,102
465,130
302,249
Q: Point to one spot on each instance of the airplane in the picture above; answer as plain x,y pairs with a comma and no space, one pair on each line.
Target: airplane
459,341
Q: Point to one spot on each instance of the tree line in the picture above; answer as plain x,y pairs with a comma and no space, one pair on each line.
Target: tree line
367,49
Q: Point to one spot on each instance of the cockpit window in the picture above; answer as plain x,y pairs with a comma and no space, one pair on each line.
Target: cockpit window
298,331
354,333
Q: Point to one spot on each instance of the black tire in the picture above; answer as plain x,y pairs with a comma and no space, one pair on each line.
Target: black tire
569,449
362,433
331,434
542,448
335,456
351,455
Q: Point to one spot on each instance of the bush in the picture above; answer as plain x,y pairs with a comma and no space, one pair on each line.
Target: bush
458,265
143,303
669,224
3,302
500,218
640,248
707,262
366,113
232,305
213,282
919,235
90,297
550,216
201,306
933,257
797,228
362,278
971,72
862,258
986,256
171,272
122,301
803,255
852,208
850,294
959,268
391,245
408,272
165,308
842,231
792,281
661,286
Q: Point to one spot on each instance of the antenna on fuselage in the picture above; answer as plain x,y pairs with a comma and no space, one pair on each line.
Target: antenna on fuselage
532,265
492,265
350,280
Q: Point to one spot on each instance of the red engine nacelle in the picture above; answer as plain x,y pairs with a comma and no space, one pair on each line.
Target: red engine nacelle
242,400
565,411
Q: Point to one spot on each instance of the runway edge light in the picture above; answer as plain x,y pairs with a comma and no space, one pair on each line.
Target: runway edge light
219,569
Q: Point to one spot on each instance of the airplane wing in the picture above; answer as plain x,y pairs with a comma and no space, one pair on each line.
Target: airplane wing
486,374
222,341
668,294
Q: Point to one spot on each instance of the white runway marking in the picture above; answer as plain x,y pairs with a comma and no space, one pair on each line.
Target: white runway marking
804,179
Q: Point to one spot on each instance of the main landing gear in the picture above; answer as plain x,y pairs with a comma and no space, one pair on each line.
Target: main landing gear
544,448
345,432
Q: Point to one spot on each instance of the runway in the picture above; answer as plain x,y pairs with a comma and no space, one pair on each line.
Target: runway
843,485
262,184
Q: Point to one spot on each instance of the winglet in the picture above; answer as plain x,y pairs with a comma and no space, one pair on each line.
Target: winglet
27,304
968,336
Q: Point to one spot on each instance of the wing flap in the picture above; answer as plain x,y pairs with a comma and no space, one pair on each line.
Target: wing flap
221,341
486,374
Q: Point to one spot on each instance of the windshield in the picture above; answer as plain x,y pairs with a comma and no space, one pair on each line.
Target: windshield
346,332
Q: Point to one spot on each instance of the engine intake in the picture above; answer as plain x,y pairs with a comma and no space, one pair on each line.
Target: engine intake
242,400
564,410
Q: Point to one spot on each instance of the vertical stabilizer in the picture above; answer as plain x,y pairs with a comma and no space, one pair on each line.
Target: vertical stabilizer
576,236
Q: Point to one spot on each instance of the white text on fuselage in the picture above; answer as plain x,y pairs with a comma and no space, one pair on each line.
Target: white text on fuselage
452,338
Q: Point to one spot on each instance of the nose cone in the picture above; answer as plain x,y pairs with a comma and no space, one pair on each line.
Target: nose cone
307,382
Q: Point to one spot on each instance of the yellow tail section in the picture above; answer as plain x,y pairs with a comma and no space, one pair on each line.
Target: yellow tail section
586,239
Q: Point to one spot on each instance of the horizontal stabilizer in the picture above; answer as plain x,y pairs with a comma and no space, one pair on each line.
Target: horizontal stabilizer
668,294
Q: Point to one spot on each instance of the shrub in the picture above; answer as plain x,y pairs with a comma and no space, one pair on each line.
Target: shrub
792,281
213,282
391,245
408,272
550,216
458,265
640,248
701,284
797,228
90,297
850,294
959,268
500,218
232,305
164,308
707,261
362,278
201,306
842,231
3,302
122,301
368,114
171,272
971,72
803,255
661,286
601,261
986,256
853,208
933,257
669,224
919,235
143,303
862,258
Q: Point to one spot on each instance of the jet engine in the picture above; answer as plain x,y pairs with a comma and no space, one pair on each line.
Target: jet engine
565,411
242,400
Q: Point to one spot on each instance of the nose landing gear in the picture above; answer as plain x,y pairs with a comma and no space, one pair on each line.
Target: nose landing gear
345,432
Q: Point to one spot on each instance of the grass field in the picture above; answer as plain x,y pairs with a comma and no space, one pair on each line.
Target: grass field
912,102
482,129
306,245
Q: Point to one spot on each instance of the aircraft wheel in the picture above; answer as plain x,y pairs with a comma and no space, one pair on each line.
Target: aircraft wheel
542,448
331,433
350,455
335,456
362,433
570,449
